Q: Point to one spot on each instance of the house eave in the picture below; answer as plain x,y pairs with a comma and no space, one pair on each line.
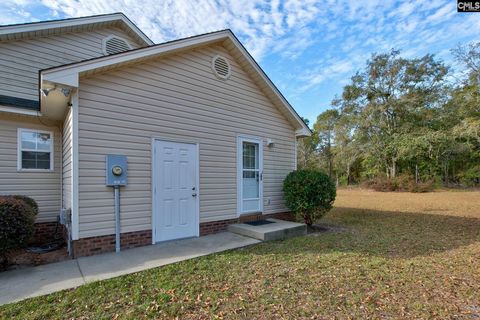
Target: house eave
68,75
20,111
34,29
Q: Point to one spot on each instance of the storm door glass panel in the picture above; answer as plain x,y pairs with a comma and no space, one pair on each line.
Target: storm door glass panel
250,177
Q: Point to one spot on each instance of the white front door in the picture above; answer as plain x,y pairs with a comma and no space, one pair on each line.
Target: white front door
175,190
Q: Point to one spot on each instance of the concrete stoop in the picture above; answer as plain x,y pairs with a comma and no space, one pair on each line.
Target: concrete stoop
278,230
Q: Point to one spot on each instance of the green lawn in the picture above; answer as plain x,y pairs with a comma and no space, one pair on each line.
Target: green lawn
387,264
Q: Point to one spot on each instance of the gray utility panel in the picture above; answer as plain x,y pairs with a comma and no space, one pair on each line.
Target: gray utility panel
116,167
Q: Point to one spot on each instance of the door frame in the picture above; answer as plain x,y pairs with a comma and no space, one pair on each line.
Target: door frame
154,182
240,139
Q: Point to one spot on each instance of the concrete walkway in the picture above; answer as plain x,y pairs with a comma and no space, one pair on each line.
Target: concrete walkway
20,284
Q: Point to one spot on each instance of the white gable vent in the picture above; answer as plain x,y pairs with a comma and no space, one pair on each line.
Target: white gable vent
221,67
114,44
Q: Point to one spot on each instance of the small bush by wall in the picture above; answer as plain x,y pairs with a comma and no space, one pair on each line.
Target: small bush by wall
309,194
17,219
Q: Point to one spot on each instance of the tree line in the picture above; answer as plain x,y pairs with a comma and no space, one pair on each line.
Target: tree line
402,116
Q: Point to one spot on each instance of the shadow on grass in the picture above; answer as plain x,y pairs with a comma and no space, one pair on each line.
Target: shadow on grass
383,233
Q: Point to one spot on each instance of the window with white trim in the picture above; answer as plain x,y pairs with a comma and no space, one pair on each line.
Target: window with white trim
35,149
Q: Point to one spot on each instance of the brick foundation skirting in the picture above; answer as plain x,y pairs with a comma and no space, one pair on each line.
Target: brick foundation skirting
45,232
103,244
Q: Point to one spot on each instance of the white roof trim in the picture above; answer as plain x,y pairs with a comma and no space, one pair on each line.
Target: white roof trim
46,25
22,111
304,132
68,74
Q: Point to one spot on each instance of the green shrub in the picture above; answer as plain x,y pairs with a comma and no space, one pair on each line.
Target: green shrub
17,218
29,201
309,194
470,177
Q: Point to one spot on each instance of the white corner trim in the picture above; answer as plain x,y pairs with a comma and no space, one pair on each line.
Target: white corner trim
295,155
75,168
153,186
198,188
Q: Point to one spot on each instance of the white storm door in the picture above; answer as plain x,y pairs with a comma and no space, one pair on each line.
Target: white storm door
250,175
175,190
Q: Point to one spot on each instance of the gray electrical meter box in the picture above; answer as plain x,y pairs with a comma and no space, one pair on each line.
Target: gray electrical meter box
116,174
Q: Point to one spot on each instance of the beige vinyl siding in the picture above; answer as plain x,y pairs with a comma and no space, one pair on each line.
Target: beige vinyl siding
176,98
67,160
20,60
44,187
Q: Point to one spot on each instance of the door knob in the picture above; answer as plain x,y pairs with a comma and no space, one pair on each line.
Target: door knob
194,194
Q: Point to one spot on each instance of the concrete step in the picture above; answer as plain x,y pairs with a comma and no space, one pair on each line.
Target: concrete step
277,230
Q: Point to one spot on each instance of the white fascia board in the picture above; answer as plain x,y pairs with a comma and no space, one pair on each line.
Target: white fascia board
64,78
303,127
21,111
137,31
33,27
301,133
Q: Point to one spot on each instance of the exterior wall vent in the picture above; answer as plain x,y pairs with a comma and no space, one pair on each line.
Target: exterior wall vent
221,67
114,44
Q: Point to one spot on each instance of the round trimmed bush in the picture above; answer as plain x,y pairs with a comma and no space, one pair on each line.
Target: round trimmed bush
29,201
17,218
309,194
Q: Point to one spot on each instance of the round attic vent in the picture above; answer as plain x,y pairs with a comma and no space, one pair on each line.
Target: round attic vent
221,67
113,44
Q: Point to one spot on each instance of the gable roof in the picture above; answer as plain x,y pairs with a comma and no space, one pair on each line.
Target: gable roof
69,74
54,27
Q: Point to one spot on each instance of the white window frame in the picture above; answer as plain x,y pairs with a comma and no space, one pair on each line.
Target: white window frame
19,150
240,140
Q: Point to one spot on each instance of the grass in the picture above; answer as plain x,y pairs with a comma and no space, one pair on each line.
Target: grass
403,256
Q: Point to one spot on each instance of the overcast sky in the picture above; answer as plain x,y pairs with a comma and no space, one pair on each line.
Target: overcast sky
310,49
